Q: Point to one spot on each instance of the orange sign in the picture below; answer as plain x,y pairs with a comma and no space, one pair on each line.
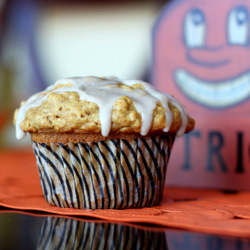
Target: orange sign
201,55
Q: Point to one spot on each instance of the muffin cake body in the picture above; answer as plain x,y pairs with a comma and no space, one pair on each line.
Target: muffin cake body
102,142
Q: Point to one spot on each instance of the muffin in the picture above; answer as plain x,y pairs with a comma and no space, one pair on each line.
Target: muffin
102,142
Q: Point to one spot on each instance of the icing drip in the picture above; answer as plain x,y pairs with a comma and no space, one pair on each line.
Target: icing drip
105,92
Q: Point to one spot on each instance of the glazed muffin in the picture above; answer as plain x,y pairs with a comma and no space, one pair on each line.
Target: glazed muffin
102,142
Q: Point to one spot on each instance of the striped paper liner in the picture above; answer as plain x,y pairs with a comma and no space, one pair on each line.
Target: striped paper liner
64,233
107,174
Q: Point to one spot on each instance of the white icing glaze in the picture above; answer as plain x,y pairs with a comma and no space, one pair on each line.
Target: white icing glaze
105,92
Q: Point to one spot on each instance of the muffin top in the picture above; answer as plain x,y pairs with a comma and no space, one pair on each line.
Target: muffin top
101,105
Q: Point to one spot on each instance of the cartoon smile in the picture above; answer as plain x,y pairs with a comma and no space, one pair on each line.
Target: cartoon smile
214,94
208,55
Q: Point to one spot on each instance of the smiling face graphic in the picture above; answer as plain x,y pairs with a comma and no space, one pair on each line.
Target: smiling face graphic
202,48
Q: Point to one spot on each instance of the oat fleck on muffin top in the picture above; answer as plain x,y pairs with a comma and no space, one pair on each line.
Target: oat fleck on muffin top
101,105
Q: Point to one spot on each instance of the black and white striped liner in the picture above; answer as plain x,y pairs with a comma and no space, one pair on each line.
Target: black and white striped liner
107,174
64,233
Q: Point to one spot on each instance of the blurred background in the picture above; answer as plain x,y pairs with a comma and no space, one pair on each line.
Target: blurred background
42,41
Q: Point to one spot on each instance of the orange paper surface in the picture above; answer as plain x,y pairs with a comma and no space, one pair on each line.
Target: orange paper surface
208,211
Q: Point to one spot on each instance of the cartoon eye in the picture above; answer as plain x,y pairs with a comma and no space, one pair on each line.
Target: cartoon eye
238,25
194,28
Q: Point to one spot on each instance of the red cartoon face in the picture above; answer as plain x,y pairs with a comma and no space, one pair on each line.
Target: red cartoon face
204,51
